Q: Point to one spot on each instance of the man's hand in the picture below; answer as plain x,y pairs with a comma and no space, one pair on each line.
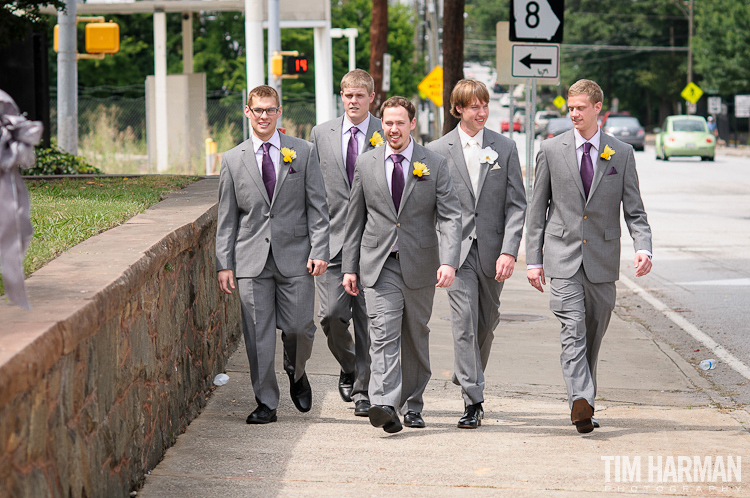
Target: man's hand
350,284
642,264
504,267
316,266
536,278
445,276
226,280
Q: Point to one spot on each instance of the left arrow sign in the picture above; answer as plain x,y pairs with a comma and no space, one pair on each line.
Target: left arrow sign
528,61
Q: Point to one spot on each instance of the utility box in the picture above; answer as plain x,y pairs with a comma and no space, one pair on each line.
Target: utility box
187,122
102,38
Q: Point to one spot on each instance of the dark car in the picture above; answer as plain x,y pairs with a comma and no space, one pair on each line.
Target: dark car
627,129
556,126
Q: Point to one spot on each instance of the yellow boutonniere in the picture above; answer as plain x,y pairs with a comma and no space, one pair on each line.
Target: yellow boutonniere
420,170
376,140
608,152
289,154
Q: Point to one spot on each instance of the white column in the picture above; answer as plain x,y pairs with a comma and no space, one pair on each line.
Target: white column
323,72
254,43
187,42
67,80
274,41
160,90
352,34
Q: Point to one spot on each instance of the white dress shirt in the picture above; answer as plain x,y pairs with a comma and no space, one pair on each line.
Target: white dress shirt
346,133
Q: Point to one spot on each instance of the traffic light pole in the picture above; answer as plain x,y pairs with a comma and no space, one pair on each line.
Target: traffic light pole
67,80
274,42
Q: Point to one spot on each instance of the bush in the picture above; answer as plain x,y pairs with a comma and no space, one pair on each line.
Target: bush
54,161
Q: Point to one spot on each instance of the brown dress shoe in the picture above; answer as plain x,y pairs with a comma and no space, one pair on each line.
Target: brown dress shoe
581,415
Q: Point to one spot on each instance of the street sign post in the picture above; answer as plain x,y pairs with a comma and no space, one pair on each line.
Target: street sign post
537,20
535,61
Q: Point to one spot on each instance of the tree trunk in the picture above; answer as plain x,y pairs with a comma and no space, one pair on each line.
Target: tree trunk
453,55
378,47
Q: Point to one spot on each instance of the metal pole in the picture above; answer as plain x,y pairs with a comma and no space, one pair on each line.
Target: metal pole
254,43
511,110
530,110
245,135
67,80
187,42
351,34
274,42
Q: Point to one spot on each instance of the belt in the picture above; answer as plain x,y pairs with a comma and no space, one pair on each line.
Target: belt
393,254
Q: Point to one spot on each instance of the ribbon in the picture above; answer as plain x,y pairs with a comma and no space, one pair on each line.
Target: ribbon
18,136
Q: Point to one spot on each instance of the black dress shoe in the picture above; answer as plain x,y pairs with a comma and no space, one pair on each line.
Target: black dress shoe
261,415
346,384
361,408
472,417
414,420
385,417
581,415
595,423
301,392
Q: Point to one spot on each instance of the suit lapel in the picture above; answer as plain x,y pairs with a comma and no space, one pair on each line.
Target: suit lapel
602,166
571,160
334,142
457,154
373,126
251,165
417,156
484,167
283,170
379,173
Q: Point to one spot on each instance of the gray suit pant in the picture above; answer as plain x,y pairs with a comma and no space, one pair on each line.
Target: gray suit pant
336,309
398,324
272,301
584,310
475,313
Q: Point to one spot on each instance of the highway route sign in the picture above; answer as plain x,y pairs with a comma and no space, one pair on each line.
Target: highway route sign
692,93
535,61
539,21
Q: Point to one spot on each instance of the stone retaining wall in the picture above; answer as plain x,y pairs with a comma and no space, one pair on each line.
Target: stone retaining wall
117,356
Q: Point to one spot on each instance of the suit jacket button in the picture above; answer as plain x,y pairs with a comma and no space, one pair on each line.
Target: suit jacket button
585,217
266,239
398,225
270,216
584,241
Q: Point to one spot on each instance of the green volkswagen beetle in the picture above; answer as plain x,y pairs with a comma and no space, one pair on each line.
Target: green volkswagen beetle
684,136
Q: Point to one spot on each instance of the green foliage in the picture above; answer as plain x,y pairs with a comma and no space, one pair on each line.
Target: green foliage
54,161
17,17
722,45
68,211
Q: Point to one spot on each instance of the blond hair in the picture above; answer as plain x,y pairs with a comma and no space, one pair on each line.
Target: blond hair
261,92
589,88
358,78
465,92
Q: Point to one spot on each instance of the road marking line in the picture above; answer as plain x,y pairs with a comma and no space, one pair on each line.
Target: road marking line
700,336
742,282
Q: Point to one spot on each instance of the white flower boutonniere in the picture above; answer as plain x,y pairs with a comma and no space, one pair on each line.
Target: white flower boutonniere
487,155
289,154
376,140
420,170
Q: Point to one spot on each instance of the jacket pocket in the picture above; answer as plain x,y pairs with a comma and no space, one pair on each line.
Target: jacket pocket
555,229
612,233
369,241
300,230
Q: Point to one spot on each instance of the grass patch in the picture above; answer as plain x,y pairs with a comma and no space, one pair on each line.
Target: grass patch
68,211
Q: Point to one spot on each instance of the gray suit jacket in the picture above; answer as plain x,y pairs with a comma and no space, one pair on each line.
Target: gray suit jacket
294,226
565,230
327,139
499,209
373,226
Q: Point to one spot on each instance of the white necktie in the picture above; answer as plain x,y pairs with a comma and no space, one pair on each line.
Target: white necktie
472,164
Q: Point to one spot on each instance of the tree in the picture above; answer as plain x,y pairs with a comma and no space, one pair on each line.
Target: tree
18,17
453,56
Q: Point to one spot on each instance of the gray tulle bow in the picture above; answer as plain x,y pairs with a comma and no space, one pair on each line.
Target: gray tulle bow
18,136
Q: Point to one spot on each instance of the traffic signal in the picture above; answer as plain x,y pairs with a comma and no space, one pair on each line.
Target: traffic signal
296,65
277,64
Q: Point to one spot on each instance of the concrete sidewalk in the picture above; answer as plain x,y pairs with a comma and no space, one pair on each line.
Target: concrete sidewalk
651,404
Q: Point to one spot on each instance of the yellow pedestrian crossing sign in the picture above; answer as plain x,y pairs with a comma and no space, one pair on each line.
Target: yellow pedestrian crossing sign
559,102
432,86
692,93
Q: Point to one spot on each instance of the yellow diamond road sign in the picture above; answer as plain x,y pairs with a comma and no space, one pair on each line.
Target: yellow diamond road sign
432,86
559,102
692,93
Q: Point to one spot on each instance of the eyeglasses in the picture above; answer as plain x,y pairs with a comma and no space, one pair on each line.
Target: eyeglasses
258,111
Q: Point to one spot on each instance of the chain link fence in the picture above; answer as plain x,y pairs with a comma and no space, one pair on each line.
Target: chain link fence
112,125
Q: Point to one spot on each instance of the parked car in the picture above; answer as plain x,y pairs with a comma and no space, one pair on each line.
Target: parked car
519,117
541,118
505,121
627,129
610,114
556,126
685,136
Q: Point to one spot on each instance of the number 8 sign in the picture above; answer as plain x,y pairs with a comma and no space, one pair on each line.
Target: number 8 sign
536,20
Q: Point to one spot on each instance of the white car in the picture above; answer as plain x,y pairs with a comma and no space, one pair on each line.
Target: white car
541,118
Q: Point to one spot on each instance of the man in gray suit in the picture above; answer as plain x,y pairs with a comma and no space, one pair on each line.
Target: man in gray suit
272,236
400,192
582,178
339,142
487,175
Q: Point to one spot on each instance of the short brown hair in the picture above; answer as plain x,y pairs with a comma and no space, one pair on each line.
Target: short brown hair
358,78
261,92
587,87
465,92
400,102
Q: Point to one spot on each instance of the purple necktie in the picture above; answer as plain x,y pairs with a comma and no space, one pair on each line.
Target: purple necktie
269,172
587,168
397,180
352,151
